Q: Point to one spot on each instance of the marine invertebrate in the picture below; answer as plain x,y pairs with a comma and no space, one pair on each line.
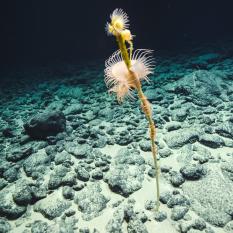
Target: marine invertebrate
126,69
119,22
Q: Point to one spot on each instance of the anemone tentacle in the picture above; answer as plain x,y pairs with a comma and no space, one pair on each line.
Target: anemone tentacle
121,15
117,75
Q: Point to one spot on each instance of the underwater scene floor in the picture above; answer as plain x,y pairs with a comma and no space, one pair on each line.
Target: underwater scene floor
74,160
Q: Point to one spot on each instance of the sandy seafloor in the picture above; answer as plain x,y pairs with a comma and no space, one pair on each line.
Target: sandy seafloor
95,174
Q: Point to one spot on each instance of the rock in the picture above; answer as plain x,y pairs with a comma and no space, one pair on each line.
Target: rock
180,137
97,174
80,151
55,182
105,169
45,124
194,231
5,227
36,164
100,163
70,179
19,153
124,180
145,145
100,142
160,216
151,172
3,183
84,230
165,152
126,156
24,139
61,176
209,230
82,174
38,192
229,227
52,206
70,212
193,171
142,216
62,158
208,121
200,87
68,225
69,92
199,224
4,165
55,106
184,226
127,173
176,179
8,208
150,204
89,115
206,205
212,141
171,126
51,150
165,168
136,225
178,212
107,114
73,109
91,205
68,192
95,132
23,194
179,114
177,200
165,197
124,138
129,212
11,174
202,154
39,226
153,95
8,132
114,225
79,186
110,130
185,155
225,130
228,143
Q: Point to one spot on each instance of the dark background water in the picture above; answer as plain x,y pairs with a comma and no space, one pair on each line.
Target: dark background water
40,32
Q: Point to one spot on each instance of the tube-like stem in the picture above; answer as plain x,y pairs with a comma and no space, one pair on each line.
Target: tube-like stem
134,81
147,110
130,50
124,52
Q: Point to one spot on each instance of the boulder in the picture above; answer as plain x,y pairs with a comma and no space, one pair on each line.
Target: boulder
45,124
211,197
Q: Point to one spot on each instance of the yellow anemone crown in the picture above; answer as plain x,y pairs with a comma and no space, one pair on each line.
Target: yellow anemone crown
119,22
